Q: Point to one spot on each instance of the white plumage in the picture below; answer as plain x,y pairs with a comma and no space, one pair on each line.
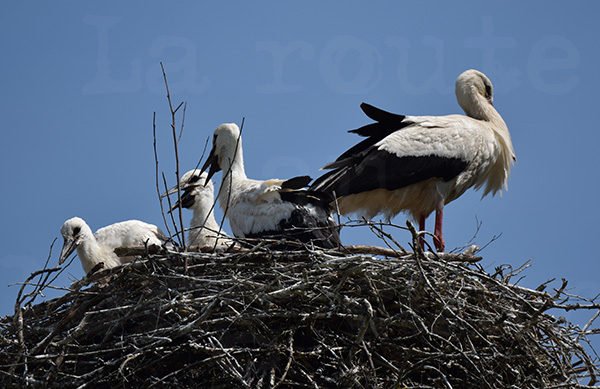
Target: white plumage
199,196
99,247
417,164
268,209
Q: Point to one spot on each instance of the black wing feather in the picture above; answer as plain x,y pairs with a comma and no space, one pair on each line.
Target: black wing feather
381,116
387,123
304,197
380,169
377,169
296,182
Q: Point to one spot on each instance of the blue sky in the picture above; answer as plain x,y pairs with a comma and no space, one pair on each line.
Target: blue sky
81,80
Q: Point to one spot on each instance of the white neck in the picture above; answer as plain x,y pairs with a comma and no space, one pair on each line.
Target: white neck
232,165
234,161
488,113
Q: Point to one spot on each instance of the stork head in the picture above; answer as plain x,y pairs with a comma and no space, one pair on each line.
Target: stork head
73,232
472,88
226,150
194,184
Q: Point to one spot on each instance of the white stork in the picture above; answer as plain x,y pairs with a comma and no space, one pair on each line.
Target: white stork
199,196
99,247
417,164
268,209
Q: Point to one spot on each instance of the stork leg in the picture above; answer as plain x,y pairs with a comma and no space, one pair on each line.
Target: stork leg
422,228
438,239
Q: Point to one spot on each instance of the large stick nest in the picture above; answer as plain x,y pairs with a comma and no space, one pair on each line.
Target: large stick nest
265,319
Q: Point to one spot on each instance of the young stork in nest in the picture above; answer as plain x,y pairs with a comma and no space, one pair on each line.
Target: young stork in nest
417,164
199,196
99,247
272,209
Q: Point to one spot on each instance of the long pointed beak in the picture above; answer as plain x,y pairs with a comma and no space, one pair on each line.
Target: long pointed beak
69,246
187,199
213,162
174,207
170,191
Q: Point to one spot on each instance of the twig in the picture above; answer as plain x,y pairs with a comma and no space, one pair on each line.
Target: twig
162,210
182,122
175,144
289,362
382,234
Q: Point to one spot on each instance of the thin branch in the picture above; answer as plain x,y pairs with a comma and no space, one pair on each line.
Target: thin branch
162,210
175,144
182,123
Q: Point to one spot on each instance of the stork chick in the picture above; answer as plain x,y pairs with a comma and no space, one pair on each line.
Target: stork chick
268,209
199,196
99,247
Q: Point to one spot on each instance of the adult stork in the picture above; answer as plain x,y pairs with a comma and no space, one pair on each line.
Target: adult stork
199,196
417,164
99,247
268,209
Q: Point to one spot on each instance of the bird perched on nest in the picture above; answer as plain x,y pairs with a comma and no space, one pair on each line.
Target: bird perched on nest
268,209
417,164
199,196
99,247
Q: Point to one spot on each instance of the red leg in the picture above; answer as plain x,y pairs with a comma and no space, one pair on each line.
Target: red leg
439,239
422,228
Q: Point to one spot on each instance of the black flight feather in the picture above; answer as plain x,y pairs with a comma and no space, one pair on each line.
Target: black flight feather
305,197
381,169
296,182
387,123
380,116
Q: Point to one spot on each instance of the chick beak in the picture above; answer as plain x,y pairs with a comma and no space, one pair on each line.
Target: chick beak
69,246
171,191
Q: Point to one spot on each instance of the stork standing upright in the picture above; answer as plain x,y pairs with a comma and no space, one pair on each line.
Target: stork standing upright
268,209
417,164
99,247
199,196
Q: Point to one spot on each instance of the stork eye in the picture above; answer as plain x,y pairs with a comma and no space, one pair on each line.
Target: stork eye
194,179
76,231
